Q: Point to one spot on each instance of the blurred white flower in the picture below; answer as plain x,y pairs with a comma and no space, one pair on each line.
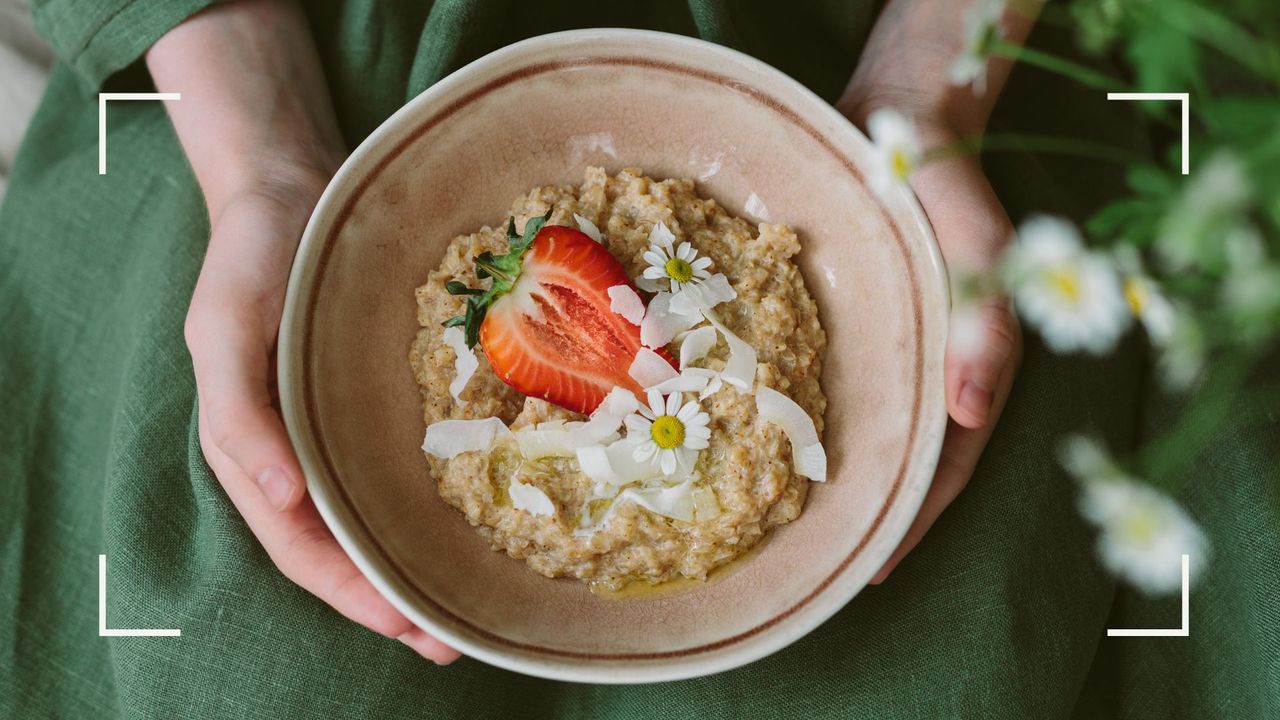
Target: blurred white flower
967,330
1183,355
981,31
1071,295
1217,193
1144,296
1252,284
897,149
1085,458
1144,533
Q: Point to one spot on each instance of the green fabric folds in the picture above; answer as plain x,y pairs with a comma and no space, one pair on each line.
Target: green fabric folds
1000,613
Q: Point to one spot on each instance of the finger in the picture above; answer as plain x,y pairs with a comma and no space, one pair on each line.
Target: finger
232,367
301,546
429,647
961,449
974,369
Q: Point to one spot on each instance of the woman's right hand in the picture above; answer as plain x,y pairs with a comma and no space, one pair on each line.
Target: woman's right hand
256,123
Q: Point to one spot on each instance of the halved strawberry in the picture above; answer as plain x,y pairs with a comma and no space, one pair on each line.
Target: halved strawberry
545,324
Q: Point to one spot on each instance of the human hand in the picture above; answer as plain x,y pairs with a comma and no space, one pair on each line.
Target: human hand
263,143
972,229
905,67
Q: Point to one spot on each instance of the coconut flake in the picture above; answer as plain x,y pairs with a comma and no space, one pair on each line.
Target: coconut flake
660,325
673,502
697,298
649,368
465,364
589,228
691,380
557,438
615,464
619,403
624,301
448,438
530,499
648,284
740,371
696,344
807,454
608,417
811,462
554,438
713,386
593,460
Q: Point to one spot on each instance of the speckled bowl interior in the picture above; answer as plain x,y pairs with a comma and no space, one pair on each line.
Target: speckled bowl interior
535,113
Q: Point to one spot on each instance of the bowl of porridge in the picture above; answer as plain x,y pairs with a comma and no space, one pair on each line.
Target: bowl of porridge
639,383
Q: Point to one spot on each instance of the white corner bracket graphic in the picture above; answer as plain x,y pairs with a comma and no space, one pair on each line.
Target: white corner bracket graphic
1185,630
102,118
103,630
1186,115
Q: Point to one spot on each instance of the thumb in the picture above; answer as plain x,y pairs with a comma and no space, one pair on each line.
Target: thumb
983,351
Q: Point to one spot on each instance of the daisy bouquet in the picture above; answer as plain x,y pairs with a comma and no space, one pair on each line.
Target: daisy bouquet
1190,257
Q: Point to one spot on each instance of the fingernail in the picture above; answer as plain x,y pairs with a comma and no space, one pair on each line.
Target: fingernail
276,487
421,643
975,400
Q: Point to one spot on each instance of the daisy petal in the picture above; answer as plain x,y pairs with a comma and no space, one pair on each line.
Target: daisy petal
696,345
668,462
687,412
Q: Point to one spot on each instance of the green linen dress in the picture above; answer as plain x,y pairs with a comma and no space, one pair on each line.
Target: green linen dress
1000,613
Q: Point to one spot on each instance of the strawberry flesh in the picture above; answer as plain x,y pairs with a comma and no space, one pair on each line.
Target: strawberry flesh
553,335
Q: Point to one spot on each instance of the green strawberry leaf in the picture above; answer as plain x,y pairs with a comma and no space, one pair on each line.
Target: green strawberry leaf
503,270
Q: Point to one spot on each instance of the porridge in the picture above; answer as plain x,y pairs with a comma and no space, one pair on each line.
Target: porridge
603,402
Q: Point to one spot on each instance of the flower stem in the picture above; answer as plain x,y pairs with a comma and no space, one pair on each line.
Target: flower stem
1219,400
1053,63
1022,142
1225,36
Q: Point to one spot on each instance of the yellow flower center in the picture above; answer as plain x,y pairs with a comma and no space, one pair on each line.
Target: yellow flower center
667,432
1140,526
1136,294
679,270
901,164
1066,283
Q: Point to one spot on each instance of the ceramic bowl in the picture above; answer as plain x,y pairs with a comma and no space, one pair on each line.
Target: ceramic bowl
536,113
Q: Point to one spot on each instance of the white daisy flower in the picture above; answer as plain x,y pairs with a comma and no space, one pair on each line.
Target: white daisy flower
1147,302
1144,532
668,434
1216,197
981,31
1071,295
967,330
679,265
1252,284
1182,358
896,147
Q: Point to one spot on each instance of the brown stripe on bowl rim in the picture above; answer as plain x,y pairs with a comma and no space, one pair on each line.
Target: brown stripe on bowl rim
343,215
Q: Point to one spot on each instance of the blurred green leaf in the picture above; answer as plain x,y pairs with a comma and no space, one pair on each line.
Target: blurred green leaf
1164,59
1151,180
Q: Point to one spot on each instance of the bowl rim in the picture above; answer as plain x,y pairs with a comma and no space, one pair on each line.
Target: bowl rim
290,350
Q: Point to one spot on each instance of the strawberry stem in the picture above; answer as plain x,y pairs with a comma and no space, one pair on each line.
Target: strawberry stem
487,264
504,270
